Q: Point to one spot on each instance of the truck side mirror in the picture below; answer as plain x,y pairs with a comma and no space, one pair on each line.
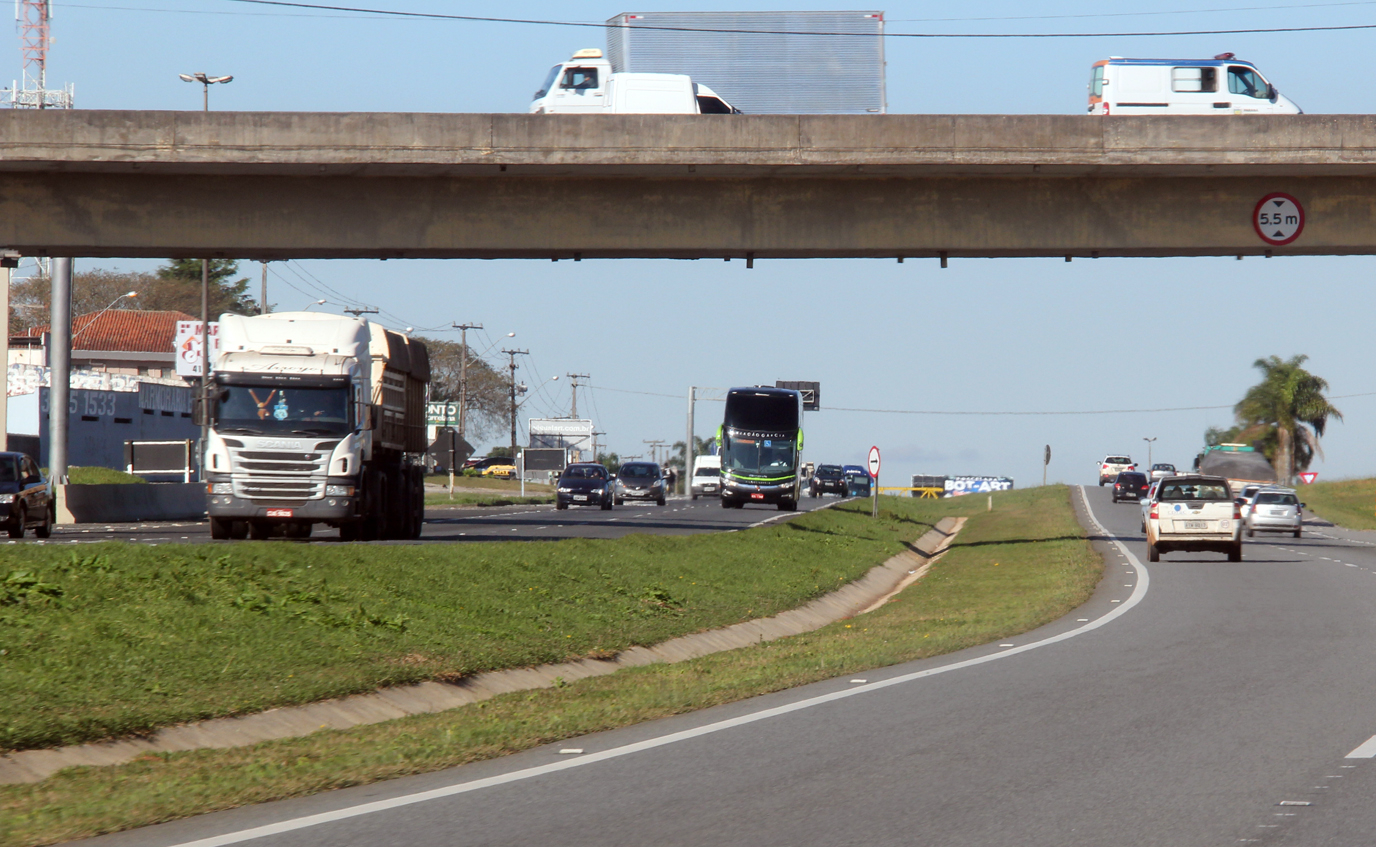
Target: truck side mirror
369,421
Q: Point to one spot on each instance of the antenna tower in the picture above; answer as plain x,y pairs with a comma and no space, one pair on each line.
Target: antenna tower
34,19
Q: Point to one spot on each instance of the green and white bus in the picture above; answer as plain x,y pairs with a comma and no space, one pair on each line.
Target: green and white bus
761,442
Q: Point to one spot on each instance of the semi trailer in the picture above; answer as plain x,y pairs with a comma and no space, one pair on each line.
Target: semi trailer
315,418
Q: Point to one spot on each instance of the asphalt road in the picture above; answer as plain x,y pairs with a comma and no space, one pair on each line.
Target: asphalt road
1196,703
679,516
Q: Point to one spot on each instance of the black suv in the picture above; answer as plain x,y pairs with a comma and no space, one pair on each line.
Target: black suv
1130,485
829,479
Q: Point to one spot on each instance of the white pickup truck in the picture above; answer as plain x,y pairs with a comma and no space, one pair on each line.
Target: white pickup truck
1191,514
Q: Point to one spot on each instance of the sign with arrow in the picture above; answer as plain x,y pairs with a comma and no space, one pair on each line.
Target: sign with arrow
1278,218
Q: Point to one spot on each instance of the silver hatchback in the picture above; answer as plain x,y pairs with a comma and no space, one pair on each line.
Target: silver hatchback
1275,510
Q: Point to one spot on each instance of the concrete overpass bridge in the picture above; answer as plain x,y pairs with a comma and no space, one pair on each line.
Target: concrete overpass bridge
273,185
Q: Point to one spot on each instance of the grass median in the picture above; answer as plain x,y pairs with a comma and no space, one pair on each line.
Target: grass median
1349,503
1011,570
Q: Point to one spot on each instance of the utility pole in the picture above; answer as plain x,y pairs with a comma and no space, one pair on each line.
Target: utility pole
575,378
263,301
463,372
654,448
512,354
595,433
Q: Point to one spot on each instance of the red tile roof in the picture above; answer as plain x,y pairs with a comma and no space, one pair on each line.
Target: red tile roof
127,330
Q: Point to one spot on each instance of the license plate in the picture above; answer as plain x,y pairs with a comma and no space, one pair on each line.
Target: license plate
1196,524
580,496
1278,511
279,513
757,496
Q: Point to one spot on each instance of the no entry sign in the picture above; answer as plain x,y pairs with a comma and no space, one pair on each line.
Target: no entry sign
1278,218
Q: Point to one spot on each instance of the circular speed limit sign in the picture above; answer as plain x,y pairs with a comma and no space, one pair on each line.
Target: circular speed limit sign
1278,218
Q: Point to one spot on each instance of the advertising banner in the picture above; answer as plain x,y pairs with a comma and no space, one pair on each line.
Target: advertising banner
958,485
187,345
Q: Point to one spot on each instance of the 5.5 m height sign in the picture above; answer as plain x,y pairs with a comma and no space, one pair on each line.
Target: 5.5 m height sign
1278,218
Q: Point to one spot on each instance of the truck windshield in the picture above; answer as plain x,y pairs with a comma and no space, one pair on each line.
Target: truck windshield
549,80
273,410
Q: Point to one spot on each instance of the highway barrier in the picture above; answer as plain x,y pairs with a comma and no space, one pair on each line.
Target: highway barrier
125,503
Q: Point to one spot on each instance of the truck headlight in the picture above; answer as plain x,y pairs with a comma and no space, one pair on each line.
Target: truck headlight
339,491
221,487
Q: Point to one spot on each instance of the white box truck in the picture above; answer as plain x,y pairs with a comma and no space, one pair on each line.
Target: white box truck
585,84
315,418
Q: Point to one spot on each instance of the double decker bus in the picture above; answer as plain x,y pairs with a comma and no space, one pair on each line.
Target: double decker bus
761,442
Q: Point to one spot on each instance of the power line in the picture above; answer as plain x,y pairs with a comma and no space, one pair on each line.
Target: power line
1135,14
925,35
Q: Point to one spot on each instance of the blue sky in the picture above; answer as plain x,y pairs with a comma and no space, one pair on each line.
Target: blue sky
983,335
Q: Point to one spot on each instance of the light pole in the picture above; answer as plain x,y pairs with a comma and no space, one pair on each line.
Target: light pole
206,81
1149,441
103,311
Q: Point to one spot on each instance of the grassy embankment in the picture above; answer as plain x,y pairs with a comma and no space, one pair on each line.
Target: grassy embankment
100,476
1349,502
284,624
503,492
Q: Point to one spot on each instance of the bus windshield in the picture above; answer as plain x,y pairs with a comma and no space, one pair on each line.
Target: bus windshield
759,456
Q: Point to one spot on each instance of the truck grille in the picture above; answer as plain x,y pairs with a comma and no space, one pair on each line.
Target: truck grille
279,475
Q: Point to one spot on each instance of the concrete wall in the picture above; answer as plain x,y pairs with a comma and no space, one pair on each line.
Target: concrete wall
101,421
93,183
127,503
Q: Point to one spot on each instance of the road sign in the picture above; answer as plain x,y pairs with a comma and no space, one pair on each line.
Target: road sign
1278,218
874,462
1309,477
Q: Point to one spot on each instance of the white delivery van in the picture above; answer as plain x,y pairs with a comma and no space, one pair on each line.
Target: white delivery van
586,84
706,479
1222,85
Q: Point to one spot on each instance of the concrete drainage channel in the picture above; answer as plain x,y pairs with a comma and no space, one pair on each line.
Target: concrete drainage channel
866,594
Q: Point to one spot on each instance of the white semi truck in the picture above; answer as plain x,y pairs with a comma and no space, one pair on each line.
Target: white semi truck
316,418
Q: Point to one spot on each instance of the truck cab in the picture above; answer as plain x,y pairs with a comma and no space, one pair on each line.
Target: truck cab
586,84
1223,85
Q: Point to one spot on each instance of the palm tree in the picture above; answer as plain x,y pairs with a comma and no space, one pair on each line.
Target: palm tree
1288,412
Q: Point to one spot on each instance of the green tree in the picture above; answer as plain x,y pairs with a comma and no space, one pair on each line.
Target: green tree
610,461
96,289
701,447
489,405
1288,412
182,287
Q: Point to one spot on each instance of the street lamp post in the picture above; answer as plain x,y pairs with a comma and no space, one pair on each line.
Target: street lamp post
103,311
1149,443
206,81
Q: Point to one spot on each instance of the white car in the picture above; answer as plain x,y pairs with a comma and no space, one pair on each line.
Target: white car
1147,501
1112,465
1194,513
1161,469
1274,510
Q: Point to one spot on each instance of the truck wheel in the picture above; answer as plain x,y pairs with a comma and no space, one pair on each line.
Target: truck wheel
1153,553
220,529
788,505
1235,552
351,531
238,529
17,527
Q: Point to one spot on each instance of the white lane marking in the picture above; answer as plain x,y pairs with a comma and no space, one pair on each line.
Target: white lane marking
307,821
1367,750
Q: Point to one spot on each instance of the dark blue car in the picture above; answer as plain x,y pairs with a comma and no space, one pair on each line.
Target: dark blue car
26,499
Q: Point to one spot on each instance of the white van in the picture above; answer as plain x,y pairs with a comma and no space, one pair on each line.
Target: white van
1222,85
586,84
706,479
